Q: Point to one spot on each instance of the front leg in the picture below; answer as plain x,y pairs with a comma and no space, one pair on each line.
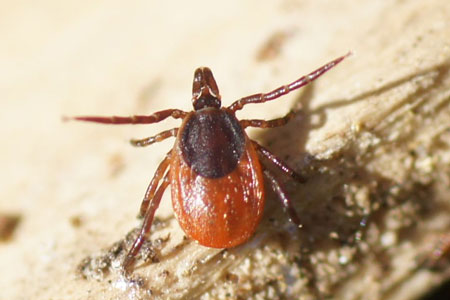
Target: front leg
116,120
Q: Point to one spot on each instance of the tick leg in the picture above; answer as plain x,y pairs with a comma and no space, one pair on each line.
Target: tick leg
268,124
279,163
153,118
149,194
146,225
283,90
285,201
154,139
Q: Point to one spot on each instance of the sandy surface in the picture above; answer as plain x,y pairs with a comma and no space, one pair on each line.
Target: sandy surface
77,187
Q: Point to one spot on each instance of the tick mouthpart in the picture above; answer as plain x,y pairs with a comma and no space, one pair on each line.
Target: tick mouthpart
205,92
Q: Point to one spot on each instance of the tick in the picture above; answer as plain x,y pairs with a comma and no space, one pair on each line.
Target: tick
214,169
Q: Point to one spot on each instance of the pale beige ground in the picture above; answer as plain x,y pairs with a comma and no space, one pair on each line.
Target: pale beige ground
377,130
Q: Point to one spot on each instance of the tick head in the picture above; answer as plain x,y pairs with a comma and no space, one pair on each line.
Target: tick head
205,92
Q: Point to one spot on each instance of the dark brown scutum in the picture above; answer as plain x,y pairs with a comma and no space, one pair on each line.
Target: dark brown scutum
212,142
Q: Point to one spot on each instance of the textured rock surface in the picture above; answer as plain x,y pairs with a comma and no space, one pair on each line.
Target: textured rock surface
373,136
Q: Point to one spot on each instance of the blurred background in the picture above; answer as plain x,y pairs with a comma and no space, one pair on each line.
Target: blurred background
69,189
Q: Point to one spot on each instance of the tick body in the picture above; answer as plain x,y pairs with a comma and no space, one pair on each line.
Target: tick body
216,179
214,169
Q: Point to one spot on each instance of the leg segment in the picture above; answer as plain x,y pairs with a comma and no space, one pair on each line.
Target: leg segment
268,124
150,193
285,201
283,90
146,225
154,139
153,118
279,163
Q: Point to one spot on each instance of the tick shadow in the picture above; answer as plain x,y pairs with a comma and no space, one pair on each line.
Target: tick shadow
343,197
